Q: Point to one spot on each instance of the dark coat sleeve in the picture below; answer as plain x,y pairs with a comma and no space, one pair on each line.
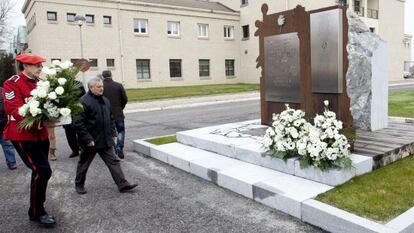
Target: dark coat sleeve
80,125
124,97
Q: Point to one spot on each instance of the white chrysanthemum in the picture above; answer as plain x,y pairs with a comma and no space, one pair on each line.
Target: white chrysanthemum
326,103
33,103
49,71
66,64
52,95
62,81
59,90
56,63
35,111
41,93
267,141
65,111
23,110
34,92
270,131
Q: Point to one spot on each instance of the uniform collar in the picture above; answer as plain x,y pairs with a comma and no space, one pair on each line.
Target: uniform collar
29,78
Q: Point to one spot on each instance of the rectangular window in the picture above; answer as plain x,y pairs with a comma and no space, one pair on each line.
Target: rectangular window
89,18
107,19
204,67
93,62
229,63
74,60
246,32
244,2
110,62
141,26
175,68
203,30
173,28
228,32
70,17
143,69
52,15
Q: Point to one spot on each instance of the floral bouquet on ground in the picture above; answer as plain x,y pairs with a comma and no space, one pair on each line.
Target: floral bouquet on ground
55,98
283,138
326,146
320,145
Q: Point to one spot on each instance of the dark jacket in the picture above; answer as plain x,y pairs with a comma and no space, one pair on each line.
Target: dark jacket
3,116
115,92
95,123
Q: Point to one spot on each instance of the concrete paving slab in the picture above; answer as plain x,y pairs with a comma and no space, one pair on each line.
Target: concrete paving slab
403,223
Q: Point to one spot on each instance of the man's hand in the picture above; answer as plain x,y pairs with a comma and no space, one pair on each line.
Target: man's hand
92,143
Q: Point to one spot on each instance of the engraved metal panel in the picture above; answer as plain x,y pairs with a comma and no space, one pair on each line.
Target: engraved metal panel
282,68
327,51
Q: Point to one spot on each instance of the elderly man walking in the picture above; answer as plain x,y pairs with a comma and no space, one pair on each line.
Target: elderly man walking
96,132
115,92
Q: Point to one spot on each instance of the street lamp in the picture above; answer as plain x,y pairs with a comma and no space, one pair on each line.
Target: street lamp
80,20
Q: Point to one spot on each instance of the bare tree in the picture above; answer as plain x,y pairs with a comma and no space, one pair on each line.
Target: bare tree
6,8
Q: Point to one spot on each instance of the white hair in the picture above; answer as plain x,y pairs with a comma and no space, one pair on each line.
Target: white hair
93,81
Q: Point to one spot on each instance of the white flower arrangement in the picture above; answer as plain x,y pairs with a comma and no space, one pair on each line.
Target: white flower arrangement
287,129
320,145
54,97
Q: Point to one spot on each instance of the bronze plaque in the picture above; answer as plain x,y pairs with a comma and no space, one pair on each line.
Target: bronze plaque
282,68
327,51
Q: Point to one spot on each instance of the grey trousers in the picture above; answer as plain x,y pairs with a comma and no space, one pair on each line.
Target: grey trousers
110,159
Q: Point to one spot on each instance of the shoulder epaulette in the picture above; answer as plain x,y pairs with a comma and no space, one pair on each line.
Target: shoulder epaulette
14,78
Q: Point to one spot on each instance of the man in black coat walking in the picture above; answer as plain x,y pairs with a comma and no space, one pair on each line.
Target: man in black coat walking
115,92
96,131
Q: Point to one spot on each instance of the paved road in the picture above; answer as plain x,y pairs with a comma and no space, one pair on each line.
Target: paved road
168,200
401,87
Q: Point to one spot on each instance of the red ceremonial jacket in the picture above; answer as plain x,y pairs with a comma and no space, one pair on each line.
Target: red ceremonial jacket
15,90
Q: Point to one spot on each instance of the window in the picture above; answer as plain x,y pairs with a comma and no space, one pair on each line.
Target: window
202,30
55,59
204,67
175,68
228,32
74,60
173,28
93,62
89,18
107,19
143,69
52,16
246,33
141,26
244,2
70,17
229,63
110,62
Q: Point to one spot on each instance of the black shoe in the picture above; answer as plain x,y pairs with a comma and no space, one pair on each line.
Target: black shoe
45,220
120,153
127,188
73,154
80,190
12,166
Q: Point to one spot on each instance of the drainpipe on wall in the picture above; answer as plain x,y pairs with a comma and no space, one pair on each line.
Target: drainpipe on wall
121,50
287,4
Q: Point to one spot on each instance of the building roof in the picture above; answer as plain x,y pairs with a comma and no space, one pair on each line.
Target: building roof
201,4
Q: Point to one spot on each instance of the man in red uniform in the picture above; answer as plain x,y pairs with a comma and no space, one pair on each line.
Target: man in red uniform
32,144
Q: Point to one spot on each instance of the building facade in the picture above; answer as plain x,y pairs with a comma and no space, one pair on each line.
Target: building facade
154,43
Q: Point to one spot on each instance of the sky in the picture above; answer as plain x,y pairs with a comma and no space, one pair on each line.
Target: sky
18,19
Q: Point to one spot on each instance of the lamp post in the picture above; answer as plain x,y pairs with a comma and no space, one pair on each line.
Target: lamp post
80,20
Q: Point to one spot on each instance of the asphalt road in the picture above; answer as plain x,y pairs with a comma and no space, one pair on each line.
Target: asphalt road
167,200
401,87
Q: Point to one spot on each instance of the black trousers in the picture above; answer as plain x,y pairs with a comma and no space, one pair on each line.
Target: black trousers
108,156
34,154
71,137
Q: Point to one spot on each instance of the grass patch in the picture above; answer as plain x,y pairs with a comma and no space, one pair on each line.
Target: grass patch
381,195
175,92
401,104
162,140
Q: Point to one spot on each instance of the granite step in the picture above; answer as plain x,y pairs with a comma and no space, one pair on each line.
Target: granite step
275,189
